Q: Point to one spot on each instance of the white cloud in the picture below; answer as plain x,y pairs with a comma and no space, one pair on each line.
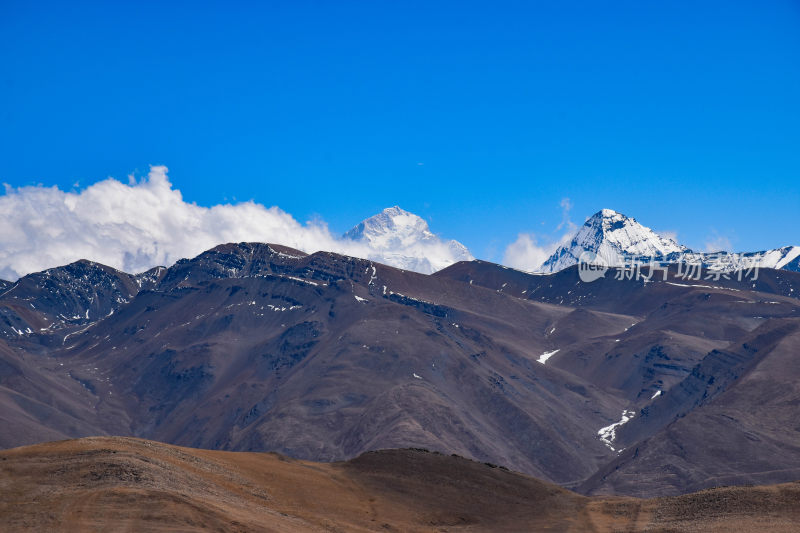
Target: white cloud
566,207
669,234
718,243
142,224
526,253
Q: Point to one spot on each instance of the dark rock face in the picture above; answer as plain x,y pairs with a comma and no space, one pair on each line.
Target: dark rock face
260,347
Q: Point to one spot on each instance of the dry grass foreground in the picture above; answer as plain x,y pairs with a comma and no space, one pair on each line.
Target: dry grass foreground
126,484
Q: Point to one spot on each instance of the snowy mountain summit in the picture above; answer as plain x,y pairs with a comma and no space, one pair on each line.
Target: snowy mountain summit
612,236
392,228
616,238
404,240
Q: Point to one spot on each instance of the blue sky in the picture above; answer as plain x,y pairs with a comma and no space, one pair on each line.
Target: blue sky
479,117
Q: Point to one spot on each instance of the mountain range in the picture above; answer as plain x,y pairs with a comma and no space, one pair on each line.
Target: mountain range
398,238
643,387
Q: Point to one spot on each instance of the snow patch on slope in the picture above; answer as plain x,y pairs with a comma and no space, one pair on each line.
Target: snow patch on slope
609,433
547,355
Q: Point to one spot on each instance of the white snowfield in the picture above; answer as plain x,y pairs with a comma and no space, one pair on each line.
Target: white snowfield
401,239
614,237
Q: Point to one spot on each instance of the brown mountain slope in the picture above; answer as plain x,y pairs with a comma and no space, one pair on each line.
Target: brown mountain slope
323,357
717,434
258,347
38,404
124,484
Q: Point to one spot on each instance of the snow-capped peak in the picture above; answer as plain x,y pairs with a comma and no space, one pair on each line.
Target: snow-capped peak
391,228
402,239
612,236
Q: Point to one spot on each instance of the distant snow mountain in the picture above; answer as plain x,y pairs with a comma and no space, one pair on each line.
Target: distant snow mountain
404,240
616,238
612,236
